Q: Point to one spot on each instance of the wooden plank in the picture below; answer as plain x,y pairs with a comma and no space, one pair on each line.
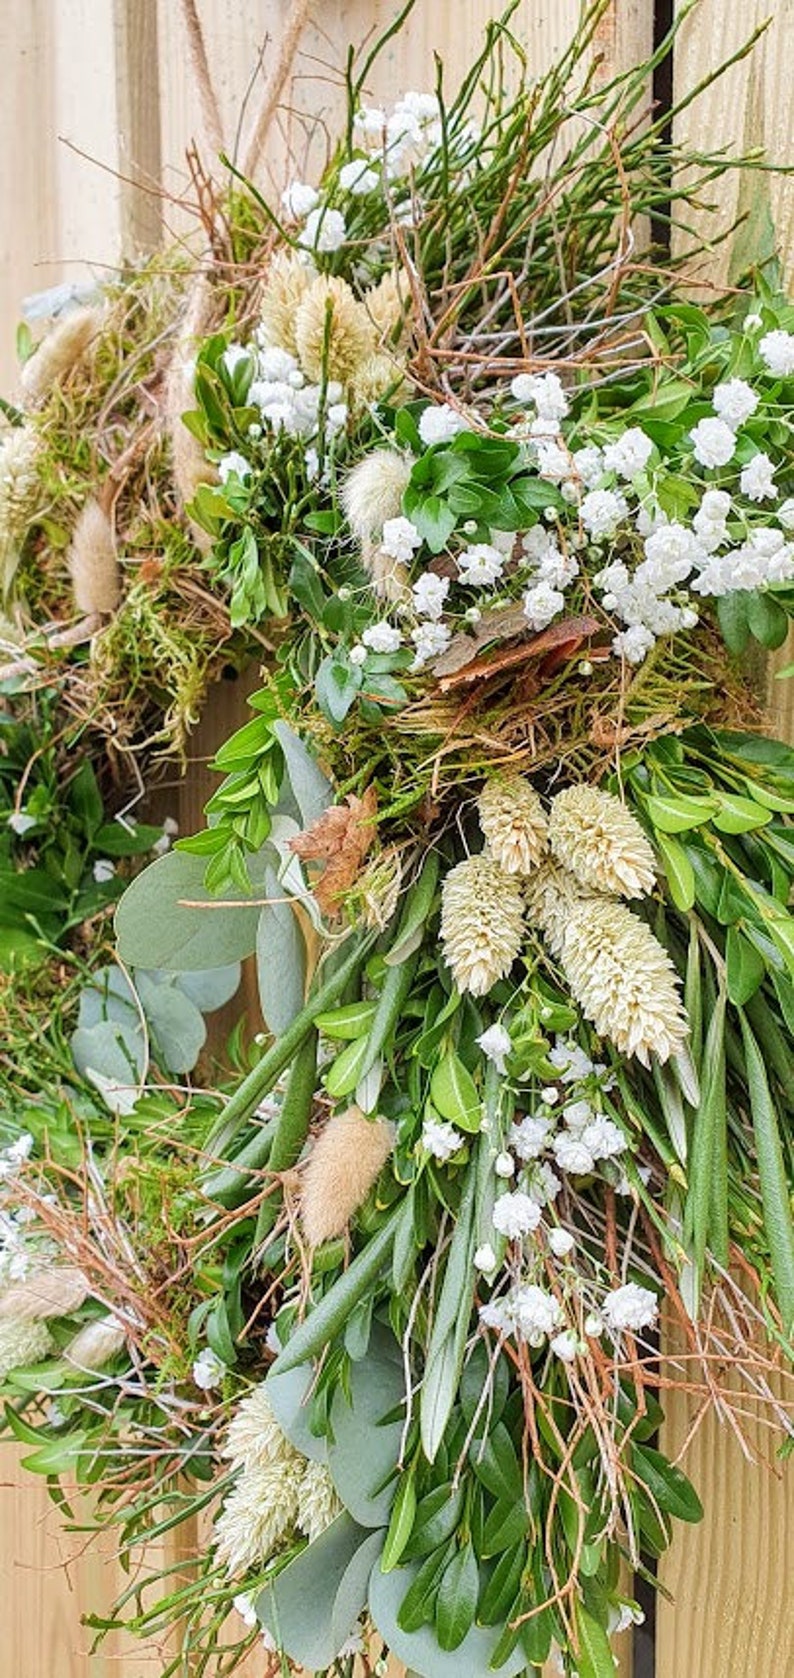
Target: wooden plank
748,107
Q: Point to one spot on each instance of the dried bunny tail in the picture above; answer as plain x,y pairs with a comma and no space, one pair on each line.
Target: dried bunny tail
601,842
373,492
333,333
96,1344
51,1293
64,345
93,563
343,1166
286,283
513,822
21,496
482,923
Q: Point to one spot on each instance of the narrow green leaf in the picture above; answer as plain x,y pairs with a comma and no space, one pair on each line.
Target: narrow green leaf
594,1658
400,1523
454,1093
773,1178
456,1603
679,873
329,1317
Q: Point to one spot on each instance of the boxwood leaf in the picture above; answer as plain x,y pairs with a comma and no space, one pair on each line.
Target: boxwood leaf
454,1093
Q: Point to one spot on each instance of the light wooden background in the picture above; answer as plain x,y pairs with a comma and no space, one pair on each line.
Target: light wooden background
96,112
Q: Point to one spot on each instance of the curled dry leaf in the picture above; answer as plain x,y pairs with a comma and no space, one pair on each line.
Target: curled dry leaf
341,838
465,661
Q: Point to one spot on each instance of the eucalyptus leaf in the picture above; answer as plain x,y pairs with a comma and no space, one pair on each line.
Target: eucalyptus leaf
211,987
363,1447
280,958
155,929
176,1026
311,788
420,1650
297,1607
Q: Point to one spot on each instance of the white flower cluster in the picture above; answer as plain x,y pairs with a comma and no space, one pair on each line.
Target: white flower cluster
286,399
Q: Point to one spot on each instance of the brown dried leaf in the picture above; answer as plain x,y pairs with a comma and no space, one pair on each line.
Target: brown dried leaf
561,639
340,838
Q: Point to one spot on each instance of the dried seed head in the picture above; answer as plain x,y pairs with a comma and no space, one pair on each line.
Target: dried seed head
333,335
623,980
23,1340
386,306
92,562
601,842
20,496
286,283
345,1161
482,923
373,492
514,823
96,1343
376,375
65,344
51,1293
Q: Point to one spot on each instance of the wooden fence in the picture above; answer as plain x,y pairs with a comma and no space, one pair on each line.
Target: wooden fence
98,109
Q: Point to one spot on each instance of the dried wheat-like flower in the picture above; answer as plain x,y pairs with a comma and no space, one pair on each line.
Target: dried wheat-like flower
317,1500
51,1293
623,980
93,565
385,305
258,1515
375,376
333,335
22,1341
600,841
20,496
513,822
62,348
550,896
96,1344
286,284
255,1438
344,1164
482,922
373,492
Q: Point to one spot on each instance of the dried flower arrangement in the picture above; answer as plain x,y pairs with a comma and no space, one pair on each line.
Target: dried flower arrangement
509,845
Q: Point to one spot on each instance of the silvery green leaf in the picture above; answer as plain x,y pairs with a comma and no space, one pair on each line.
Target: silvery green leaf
290,868
280,959
113,1059
288,1394
351,1597
369,1087
686,1073
419,1650
297,1606
211,987
313,791
108,996
176,1026
362,1449
155,930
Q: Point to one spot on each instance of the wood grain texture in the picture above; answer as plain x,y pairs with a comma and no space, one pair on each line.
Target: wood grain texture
747,108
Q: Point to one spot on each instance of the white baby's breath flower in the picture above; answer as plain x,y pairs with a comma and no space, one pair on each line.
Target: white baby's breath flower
429,594
429,640
601,512
485,1259
208,1369
542,604
530,1136
358,655
504,1165
440,424
536,1313
480,565
400,539
633,644
713,442
382,638
233,463
515,1215
734,401
298,199
495,1044
103,870
441,1139
565,1346
776,350
358,178
628,454
561,1242
324,231
630,1308
572,1155
757,480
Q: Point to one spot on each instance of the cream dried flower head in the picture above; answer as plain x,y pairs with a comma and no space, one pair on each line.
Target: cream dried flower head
259,1514
376,376
317,1500
54,1292
64,345
286,283
549,896
333,333
373,492
345,1162
20,496
482,923
96,1343
22,1341
255,1438
601,842
92,561
622,979
386,306
514,823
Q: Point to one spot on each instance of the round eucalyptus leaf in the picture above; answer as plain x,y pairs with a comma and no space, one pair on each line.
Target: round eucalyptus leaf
362,1448
113,1059
351,1597
212,987
419,1650
108,996
288,1395
280,958
156,929
176,1026
297,1607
